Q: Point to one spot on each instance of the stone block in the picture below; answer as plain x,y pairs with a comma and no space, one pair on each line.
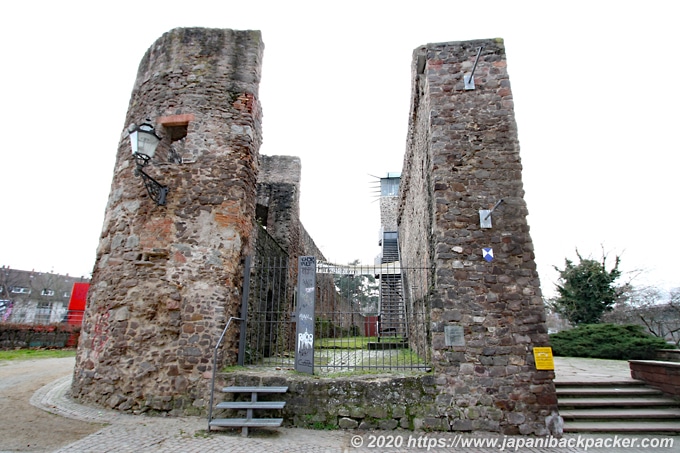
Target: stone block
376,411
367,424
357,411
388,424
347,423
515,418
461,425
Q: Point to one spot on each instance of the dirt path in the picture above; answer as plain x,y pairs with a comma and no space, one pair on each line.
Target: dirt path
27,428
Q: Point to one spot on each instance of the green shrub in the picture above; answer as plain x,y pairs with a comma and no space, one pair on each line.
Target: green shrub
607,341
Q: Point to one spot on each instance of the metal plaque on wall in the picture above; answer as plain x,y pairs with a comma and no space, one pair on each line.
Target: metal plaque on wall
454,336
304,349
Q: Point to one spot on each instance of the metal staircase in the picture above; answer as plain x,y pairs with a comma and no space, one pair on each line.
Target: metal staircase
249,421
249,406
390,248
392,307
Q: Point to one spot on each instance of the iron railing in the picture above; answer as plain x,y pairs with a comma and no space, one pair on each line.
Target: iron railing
214,367
354,328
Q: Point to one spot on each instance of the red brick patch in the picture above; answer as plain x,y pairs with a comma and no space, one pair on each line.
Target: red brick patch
176,120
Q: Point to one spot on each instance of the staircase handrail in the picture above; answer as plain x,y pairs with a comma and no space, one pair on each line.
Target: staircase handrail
214,370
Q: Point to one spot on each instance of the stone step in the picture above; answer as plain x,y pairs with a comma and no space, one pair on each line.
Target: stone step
250,389
251,405
623,427
247,422
610,414
564,392
624,406
647,401
620,383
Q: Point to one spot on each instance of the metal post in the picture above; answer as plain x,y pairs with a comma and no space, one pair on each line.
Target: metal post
244,312
304,349
469,81
214,369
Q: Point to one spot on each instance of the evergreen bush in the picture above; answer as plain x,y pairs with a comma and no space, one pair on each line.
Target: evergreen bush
607,341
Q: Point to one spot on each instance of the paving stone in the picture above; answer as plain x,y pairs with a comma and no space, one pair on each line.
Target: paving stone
140,433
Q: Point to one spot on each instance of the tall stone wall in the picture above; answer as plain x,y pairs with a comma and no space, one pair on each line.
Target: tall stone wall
308,246
388,212
486,316
278,205
167,278
278,199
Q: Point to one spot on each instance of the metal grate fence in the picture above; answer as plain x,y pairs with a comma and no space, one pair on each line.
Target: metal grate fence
366,317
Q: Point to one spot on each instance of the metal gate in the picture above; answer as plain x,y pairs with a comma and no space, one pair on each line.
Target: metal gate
365,317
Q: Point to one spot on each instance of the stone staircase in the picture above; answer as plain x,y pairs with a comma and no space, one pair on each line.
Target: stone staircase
616,407
249,406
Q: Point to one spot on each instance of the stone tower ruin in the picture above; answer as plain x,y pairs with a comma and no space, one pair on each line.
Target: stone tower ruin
486,308
166,278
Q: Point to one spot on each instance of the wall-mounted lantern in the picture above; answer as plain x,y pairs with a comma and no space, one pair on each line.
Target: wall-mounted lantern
144,141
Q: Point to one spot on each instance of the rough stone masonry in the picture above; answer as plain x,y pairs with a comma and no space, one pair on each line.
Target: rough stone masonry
167,278
487,312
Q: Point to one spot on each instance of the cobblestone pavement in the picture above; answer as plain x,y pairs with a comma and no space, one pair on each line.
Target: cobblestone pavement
130,433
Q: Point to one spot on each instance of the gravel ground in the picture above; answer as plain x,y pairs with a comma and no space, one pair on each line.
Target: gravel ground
27,428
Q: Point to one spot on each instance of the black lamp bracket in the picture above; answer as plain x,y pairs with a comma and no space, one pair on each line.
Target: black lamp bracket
156,190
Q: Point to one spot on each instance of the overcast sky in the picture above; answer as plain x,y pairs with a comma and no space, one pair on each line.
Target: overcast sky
594,84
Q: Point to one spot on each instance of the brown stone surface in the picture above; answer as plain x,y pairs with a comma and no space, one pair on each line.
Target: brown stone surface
463,156
166,278
660,374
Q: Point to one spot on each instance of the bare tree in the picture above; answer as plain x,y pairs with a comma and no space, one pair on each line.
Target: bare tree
50,293
34,297
651,307
10,279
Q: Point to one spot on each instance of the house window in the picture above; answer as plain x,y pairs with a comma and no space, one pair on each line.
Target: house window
43,313
47,292
389,187
21,290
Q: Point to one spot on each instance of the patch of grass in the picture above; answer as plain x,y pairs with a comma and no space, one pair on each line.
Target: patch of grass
344,342
393,358
356,372
353,342
26,354
324,426
409,356
232,368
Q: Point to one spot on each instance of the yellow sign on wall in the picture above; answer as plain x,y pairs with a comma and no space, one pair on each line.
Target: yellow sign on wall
544,358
